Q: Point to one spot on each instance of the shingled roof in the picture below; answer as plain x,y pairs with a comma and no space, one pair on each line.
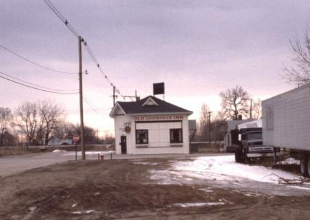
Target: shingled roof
143,107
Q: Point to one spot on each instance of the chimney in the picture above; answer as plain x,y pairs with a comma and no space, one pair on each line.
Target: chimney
137,98
240,117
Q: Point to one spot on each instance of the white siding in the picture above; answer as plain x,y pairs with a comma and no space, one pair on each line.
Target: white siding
119,121
158,133
286,119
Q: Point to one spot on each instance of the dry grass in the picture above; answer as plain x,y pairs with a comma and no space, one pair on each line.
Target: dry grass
13,151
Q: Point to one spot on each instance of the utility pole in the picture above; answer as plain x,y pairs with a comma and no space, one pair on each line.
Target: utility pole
251,108
209,119
81,99
114,96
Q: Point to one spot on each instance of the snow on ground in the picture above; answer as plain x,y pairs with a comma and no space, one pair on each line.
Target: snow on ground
79,153
223,170
198,204
289,161
225,167
145,163
59,151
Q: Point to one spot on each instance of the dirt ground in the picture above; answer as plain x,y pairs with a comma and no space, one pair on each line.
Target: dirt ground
122,189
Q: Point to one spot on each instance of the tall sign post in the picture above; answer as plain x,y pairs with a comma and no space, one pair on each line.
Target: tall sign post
81,99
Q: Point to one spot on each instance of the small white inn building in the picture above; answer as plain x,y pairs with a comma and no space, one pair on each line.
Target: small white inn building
150,126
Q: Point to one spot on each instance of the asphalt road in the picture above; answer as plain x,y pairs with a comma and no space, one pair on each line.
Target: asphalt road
16,164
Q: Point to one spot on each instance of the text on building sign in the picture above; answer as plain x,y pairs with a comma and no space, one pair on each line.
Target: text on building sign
158,118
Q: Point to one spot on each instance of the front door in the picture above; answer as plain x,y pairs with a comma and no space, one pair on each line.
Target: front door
123,145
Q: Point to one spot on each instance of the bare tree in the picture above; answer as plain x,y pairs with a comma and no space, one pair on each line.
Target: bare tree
257,109
65,130
5,120
37,120
219,126
203,122
27,120
300,73
235,102
50,115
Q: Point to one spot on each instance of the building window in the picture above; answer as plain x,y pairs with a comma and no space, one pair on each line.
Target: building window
142,137
176,136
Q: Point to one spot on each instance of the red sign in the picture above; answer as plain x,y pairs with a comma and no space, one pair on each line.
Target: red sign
76,138
159,118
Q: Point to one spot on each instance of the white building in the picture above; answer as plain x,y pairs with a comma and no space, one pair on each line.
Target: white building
150,126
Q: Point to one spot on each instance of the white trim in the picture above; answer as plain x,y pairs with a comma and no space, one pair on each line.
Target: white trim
114,109
162,113
149,99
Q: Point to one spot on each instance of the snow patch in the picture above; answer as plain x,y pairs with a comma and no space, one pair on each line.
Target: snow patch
83,212
79,153
59,151
145,163
289,161
32,209
207,190
198,204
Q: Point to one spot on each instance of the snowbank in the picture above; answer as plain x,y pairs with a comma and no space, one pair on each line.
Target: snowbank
79,153
59,151
225,167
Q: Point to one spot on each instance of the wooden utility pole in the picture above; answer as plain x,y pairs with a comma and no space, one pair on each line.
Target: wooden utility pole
81,99
209,117
114,96
251,108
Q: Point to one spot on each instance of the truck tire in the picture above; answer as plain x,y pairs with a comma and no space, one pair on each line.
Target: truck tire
246,160
308,167
304,164
238,155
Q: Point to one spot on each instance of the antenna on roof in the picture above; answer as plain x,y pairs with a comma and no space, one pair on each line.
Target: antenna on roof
131,96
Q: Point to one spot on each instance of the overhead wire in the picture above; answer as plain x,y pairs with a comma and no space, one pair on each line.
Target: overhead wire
61,17
37,87
100,68
66,22
59,90
93,107
34,63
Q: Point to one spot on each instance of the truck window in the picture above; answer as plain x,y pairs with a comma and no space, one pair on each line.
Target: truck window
254,136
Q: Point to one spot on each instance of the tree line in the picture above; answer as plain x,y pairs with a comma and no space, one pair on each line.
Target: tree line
36,123
236,104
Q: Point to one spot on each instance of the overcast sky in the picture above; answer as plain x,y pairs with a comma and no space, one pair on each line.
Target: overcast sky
198,48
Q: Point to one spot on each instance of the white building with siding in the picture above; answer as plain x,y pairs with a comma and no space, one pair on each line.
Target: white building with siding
150,126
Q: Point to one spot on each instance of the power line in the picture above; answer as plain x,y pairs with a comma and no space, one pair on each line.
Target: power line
93,106
66,22
89,110
34,63
91,54
59,90
62,18
33,86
